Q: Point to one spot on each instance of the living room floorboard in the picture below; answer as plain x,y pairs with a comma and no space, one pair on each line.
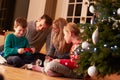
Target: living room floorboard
11,73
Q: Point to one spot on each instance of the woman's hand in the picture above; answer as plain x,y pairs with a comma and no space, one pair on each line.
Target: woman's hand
56,60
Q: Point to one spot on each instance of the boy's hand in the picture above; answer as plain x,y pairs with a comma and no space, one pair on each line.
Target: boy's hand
33,50
21,50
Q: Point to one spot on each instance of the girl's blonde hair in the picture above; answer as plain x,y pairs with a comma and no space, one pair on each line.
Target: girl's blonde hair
73,28
58,38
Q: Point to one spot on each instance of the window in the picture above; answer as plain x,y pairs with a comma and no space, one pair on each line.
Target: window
78,11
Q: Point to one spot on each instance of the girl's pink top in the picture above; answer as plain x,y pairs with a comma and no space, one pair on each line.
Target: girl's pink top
71,63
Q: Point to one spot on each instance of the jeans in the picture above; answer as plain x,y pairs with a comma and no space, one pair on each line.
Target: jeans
20,60
59,68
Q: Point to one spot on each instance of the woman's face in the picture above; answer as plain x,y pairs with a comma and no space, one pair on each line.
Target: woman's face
67,36
55,28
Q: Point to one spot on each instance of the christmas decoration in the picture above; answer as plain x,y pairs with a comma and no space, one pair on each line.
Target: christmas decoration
92,21
104,39
92,9
85,45
118,11
95,36
92,71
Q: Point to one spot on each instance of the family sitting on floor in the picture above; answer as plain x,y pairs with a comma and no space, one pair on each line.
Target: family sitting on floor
62,38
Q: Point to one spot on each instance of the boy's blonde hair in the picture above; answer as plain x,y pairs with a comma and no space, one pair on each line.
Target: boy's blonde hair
20,21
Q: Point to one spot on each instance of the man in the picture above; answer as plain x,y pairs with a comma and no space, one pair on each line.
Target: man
38,32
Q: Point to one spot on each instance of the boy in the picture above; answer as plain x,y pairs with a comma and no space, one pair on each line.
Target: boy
16,47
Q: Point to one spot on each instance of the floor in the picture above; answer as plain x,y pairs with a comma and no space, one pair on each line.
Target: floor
11,73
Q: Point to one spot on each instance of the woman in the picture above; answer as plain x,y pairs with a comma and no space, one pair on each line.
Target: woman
58,48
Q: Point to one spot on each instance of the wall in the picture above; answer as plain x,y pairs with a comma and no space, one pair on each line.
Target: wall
61,10
36,9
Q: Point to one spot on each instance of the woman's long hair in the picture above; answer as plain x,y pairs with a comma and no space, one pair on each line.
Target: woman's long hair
58,38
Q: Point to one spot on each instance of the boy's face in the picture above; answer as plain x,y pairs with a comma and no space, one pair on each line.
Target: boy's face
40,25
19,31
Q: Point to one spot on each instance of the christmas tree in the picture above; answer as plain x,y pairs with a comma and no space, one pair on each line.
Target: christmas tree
100,50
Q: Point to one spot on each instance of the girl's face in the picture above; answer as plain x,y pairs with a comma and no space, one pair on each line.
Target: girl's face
67,36
19,31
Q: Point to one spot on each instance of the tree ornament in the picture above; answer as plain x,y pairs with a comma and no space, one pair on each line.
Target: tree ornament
115,47
85,45
81,30
92,21
114,12
92,9
105,45
118,11
115,24
92,71
95,49
95,36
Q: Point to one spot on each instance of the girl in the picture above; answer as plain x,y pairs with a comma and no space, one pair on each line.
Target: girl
71,35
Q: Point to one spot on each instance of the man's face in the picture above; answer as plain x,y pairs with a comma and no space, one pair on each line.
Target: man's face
40,25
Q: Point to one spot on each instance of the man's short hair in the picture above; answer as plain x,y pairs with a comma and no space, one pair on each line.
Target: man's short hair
48,20
20,21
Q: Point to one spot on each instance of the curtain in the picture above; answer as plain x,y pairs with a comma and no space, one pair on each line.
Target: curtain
50,8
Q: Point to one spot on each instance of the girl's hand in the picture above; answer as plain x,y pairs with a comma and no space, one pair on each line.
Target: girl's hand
56,60
48,58
21,50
